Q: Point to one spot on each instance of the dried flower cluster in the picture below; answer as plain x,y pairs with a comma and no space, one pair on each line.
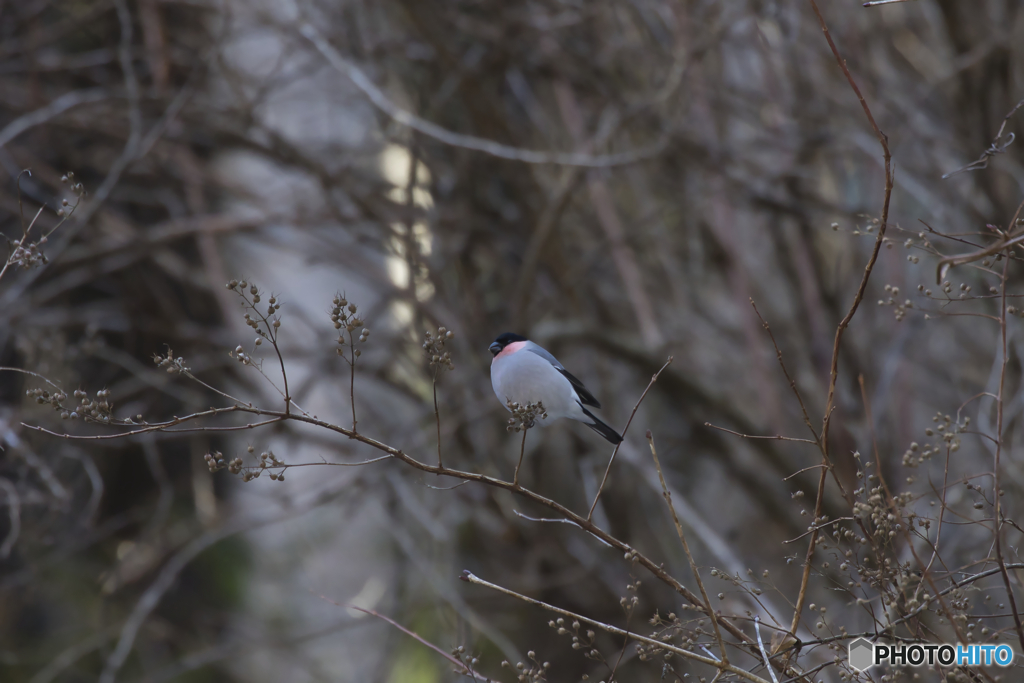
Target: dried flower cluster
525,416
252,296
24,253
433,345
98,409
529,672
42,397
174,365
267,462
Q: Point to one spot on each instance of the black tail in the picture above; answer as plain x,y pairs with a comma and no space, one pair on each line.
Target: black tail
601,428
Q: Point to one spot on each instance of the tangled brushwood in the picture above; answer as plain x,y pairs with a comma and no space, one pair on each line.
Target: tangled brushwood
766,239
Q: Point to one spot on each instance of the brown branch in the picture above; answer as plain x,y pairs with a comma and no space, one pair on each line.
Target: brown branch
945,264
844,323
570,517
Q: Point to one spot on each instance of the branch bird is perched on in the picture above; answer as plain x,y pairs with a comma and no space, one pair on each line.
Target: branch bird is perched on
524,373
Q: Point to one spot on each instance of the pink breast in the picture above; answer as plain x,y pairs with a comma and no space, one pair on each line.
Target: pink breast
509,350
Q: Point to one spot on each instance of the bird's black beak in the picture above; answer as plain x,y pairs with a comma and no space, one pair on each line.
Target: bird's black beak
494,348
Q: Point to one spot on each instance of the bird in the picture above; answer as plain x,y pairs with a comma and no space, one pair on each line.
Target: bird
524,372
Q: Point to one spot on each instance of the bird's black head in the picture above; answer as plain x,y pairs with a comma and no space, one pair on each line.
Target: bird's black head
504,340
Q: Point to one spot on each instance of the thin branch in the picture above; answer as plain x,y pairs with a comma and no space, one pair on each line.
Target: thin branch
352,379
945,264
789,378
844,323
439,488
760,644
806,469
998,145
217,391
550,520
522,452
774,437
942,506
466,669
997,494
34,374
818,527
611,460
437,420
689,556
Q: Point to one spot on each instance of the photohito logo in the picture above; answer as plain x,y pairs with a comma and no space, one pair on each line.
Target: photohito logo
864,654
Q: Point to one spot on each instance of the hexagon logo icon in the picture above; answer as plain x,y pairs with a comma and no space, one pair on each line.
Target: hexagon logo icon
861,654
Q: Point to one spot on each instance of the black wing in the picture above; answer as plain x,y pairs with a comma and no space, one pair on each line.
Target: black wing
585,396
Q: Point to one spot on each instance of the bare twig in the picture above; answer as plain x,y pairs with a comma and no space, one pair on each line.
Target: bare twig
764,654
997,493
772,437
998,145
33,374
1008,241
611,460
789,378
437,421
844,323
818,527
464,668
522,452
686,549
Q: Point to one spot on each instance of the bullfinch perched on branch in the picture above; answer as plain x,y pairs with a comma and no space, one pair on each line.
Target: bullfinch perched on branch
523,372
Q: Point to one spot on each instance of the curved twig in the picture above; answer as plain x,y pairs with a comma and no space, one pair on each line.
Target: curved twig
611,460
